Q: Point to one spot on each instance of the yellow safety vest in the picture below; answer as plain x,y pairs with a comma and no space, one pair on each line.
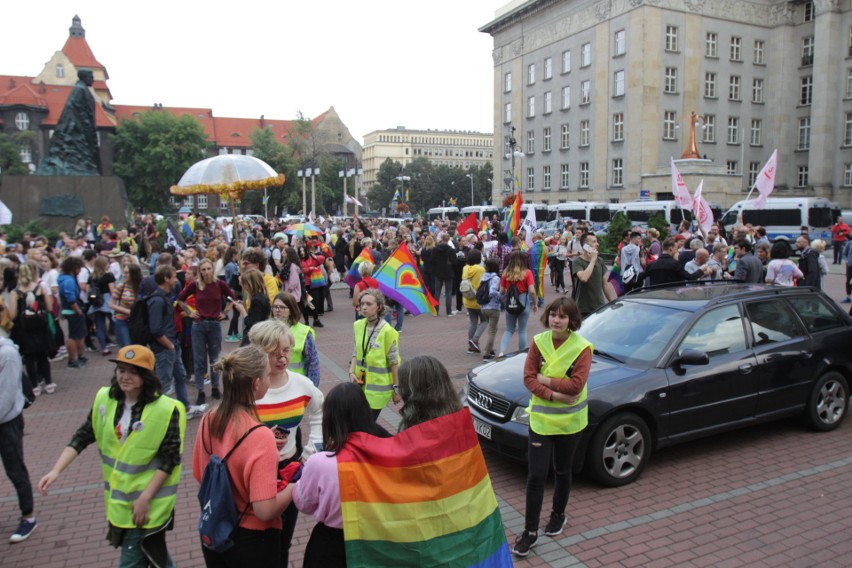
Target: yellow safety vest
379,383
297,357
549,417
128,468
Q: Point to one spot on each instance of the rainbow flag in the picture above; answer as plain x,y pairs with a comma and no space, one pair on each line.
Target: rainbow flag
538,258
353,277
483,225
421,498
513,221
287,414
400,280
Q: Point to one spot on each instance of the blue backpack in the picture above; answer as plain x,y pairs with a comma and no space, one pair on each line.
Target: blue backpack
219,515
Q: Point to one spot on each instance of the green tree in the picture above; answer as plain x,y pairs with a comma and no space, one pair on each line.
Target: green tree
10,158
658,221
153,151
617,226
280,158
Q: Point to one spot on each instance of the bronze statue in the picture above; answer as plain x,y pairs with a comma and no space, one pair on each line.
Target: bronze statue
73,148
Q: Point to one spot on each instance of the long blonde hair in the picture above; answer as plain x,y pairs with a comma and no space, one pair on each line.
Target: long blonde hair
239,371
199,281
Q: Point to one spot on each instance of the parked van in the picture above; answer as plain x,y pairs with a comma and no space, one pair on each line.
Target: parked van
784,217
595,213
541,212
482,211
446,213
640,212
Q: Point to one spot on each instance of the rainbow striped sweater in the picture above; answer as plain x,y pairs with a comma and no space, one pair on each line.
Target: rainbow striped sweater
286,407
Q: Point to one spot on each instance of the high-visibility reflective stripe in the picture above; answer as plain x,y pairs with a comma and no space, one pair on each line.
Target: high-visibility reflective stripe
559,409
298,367
116,495
380,388
129,468
380,370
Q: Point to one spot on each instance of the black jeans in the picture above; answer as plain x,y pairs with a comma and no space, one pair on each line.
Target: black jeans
326,548
251,548
544,451
12,454
558,268
38,368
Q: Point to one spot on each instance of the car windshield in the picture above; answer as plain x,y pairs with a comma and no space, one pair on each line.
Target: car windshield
629,330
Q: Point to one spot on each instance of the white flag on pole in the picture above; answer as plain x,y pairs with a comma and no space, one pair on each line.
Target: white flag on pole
529,225
681,193
350,199
701,209
765,182
5,214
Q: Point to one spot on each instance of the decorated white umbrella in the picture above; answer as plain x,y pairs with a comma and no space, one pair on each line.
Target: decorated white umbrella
229,175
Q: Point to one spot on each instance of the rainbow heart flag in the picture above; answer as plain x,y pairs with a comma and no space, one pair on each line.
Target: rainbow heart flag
353,277
400,280
421,498
513,221
538,254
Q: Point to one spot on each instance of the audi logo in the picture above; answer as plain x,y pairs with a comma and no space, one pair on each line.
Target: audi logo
481,400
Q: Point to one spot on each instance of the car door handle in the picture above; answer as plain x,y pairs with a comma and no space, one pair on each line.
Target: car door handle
806,354
746,368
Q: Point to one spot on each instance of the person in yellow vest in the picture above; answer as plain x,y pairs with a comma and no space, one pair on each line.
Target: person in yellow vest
304,358
375,358
555,372
139,433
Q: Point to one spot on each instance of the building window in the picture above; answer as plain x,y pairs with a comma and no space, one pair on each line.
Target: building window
807,90
531,179
802,176
756,126
807,51
849,53
847,133
757,91
671,38
618,84
22,121
202,202
804,142
670,83
620,42
530,107
564,175
530,141
849,83
809,11
584,174
618,127
223,205
731,167
566,97
566,61
26,153
545,178
565,137
669,124
188,201
618,172
759,52
710,128
507,82
711,45
548,102
733,130
753,170
548,68
710,85
531,74
584,133
734,88
586,92
60,71
847,175
586,55
545,144
507,112
736,48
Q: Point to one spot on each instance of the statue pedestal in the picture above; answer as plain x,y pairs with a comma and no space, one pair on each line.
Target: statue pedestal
720,188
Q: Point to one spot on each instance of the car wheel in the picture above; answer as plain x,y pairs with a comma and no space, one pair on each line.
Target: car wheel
829,402
619,450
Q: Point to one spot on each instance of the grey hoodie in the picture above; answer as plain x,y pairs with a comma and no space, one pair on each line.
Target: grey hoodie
11,395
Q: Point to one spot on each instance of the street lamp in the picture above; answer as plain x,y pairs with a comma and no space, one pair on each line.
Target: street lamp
512,154
312,173
471,188
345,174
303,174
402,179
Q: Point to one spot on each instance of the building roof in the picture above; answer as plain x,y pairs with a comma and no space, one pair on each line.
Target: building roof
21,94
202,115
20,91
78,52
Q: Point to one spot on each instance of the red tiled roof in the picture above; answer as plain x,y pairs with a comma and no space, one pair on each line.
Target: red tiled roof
77,50
57,96
22,93
203,115
236,132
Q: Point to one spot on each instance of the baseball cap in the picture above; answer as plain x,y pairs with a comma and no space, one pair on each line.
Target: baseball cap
136,355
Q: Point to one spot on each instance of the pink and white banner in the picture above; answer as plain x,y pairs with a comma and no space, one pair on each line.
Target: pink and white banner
703,213
765,182
681,193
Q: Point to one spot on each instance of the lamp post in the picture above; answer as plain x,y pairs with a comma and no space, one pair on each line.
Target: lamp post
345,174
471,188
303,174
313,173
512,154
402,179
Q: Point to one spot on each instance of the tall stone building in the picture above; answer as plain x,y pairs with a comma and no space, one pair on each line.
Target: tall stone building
599,94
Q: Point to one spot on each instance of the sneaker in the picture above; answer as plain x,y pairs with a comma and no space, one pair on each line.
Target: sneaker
25,529
106,352
37,390
451,314
318,323
90,349
50,388
474,345
111,345
525,542
845,300
60,356
76,364
232,339
82,359
471,351
488,357
194,411
171,391
201,399
556,524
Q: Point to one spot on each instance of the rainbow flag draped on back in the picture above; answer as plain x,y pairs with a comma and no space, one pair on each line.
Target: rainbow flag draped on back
421,498
513,222
400,280
353,277
538,262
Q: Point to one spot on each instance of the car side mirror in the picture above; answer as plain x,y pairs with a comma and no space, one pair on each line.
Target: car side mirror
692,357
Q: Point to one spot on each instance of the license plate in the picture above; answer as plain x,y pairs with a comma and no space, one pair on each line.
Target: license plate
482,428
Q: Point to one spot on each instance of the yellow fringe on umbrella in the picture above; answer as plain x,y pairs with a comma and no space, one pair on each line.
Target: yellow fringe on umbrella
234,190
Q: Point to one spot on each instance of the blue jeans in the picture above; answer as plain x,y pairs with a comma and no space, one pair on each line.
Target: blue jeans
122,332
512,322
400,316
169,367
100,327
206,342
448,285
131,551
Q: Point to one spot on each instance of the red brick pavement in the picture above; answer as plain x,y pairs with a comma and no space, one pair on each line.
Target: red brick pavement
773,495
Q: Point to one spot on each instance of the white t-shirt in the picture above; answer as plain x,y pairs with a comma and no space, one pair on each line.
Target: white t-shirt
83,279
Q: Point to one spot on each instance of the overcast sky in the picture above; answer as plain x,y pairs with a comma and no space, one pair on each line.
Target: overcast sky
380,63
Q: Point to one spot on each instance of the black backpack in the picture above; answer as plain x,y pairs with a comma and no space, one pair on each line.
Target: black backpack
483,293
94,297
516,302
138,322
